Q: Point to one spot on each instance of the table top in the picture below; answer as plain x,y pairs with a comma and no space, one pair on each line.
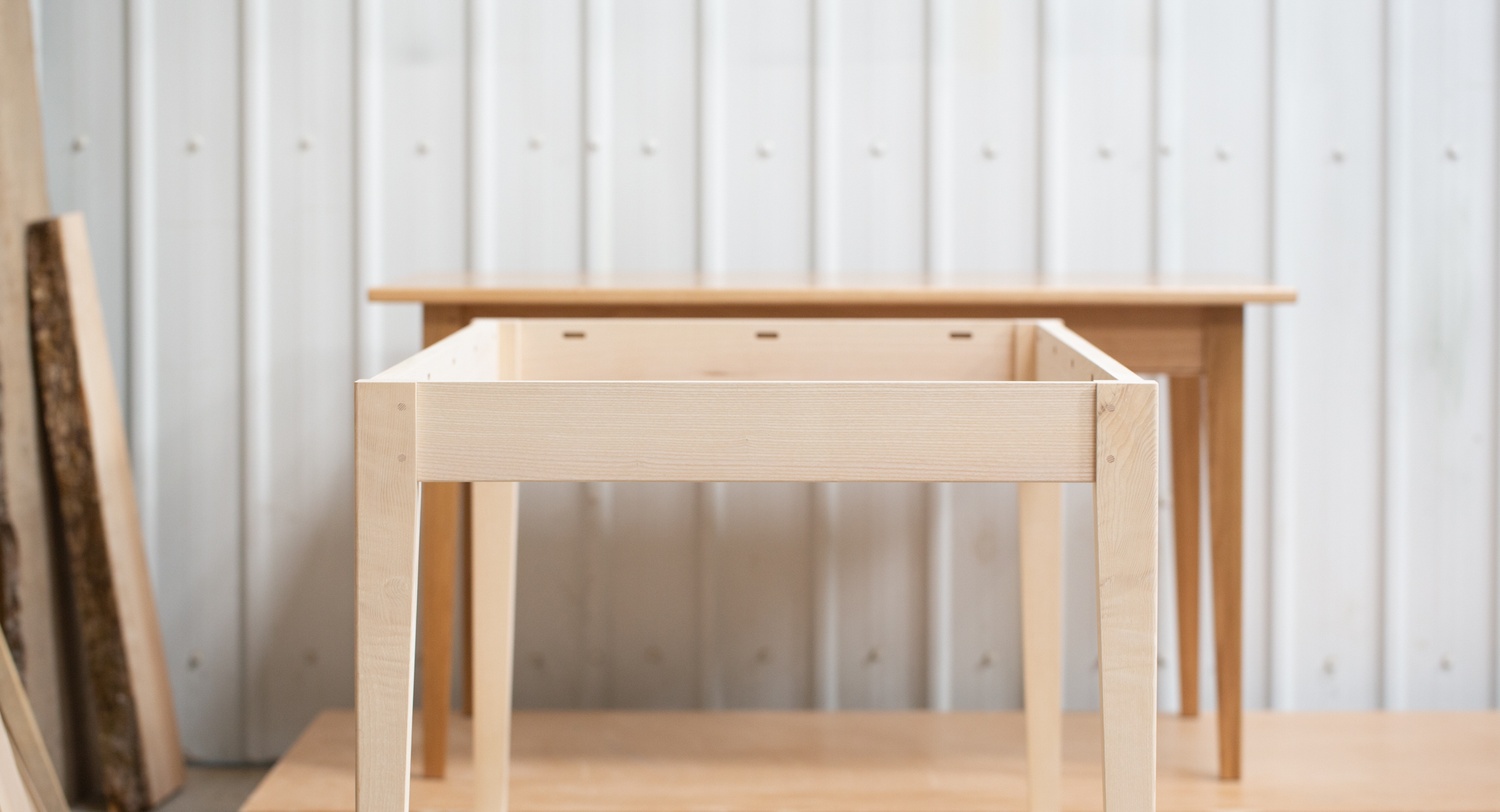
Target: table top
1073,290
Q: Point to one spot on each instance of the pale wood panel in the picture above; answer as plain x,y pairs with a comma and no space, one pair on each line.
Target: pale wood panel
767,349
1040,516
1125,515
494,588
298,329
1440,419
606,430
192,470
1328,225
387,504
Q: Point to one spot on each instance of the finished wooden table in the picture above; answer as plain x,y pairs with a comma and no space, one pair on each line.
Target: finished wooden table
1189,329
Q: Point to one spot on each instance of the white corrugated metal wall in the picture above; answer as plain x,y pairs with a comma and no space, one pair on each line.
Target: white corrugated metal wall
249,168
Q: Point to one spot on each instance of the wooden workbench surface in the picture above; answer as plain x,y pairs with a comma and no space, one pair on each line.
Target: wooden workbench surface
1310,762
771,290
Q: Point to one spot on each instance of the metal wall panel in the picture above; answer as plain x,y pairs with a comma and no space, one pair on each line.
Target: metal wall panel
250,169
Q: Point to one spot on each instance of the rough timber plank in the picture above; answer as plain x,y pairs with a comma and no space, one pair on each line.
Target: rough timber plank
1308,762
140,756
29,604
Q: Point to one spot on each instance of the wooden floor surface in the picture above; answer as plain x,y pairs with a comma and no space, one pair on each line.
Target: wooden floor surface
1308,762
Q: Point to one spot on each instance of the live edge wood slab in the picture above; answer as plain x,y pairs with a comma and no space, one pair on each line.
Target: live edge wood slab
129,694
1189,328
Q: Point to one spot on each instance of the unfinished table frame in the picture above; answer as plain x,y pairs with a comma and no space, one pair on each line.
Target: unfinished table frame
1191,329
500,402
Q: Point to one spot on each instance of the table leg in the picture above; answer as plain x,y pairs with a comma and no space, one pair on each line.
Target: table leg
439,574
1224,343
493,572
439,565
1125,482
387,495
1187,470
1041,639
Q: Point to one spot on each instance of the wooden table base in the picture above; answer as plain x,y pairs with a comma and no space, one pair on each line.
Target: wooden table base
1326,762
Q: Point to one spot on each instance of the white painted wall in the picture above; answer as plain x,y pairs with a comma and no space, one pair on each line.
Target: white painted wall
250,168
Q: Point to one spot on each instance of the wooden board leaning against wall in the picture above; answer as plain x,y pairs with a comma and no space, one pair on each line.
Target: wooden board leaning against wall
31,604
129,695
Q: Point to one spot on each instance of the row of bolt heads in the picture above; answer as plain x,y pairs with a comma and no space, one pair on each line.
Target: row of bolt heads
764,149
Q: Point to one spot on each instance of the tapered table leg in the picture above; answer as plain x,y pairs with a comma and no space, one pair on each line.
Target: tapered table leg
1224,343
385,586
493,570
1041,640
1125,483
1187,471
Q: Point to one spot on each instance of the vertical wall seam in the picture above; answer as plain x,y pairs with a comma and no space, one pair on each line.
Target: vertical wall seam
710,151
1153,154
1392,683
824,233
598,497
1495,389
140,137
1050,163
1280,551
256,554
598,148
710,496
368,181
938,496
480,181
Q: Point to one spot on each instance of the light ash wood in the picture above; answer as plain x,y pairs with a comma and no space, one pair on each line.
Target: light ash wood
722,431
386,494
494,573
24,744
30,604
767,349
1125,551
1187,467
477,419
1041,544
920,762
130,694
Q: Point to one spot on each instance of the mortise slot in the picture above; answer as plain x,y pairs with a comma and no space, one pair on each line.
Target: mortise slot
573,334
769,334
960,335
